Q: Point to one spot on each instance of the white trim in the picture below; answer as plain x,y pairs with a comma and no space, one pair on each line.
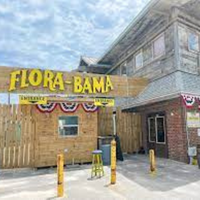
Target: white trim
72,125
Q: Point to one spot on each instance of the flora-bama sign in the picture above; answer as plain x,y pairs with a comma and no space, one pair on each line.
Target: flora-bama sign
36,81
56,81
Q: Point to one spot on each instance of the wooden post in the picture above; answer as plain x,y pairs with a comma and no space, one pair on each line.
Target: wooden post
113,162
60,167
152,161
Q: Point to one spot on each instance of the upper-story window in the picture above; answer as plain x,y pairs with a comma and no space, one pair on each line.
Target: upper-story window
139,60
193,42
159,46
147,53
123,69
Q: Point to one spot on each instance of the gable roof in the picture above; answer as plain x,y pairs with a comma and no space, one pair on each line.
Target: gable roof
89,60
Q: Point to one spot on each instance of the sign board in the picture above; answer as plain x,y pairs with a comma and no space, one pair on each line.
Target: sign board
104,102
32,100
56,81
193,120
37,81
192,151
198,132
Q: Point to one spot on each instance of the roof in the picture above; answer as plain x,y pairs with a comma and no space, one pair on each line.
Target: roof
165,88
90,65
151,13
89,60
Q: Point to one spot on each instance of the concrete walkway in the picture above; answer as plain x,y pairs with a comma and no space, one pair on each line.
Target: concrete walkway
173,181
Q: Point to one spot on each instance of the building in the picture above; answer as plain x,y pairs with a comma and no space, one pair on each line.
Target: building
39,127
162,44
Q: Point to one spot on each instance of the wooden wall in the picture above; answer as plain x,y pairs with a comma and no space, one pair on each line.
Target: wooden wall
29,138
128,128
48,143
189,60
17,129
177,56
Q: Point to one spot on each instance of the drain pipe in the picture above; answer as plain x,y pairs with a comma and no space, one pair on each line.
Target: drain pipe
114,123
187,132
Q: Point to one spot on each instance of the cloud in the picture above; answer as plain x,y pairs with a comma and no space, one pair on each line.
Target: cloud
54,34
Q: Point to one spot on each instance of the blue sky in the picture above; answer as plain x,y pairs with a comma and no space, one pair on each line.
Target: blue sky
55,33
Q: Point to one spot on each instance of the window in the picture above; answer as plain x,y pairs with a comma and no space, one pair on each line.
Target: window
152,130
160,130
193,42
156,127
139,60
159,47
147,53
68,125
123,69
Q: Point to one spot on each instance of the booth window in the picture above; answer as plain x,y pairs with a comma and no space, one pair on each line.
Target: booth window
68,126
159,46
193,42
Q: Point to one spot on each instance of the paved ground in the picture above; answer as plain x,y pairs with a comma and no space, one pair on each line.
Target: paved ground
173,181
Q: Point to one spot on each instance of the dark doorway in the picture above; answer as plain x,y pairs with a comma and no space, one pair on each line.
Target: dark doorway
156,138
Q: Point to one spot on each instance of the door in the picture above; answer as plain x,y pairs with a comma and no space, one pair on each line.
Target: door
157,135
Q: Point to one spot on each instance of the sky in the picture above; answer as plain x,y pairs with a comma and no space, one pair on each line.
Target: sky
55,33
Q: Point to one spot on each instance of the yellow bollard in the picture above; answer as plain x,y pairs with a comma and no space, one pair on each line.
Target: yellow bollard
113,162
194,160
152,161
60,167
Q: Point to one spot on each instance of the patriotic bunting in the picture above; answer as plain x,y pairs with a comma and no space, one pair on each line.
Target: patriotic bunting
68,107
89,107
47,108
188,100
198,100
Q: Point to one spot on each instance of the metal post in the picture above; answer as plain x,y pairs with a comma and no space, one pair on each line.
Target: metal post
113,162
60,167
114,123
152,161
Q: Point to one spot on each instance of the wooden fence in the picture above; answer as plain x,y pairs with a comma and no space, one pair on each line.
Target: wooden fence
16,133
128,128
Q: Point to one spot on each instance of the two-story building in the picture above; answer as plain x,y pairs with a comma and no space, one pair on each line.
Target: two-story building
163,44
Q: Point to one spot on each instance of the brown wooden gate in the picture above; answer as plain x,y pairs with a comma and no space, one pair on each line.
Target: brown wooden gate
128,128
16,136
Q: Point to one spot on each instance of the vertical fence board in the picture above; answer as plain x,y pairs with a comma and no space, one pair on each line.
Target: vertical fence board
16,136
128,128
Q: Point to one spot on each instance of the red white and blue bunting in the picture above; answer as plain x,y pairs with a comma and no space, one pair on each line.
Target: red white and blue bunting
47,108
198,100
67,107
89,107
189,100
